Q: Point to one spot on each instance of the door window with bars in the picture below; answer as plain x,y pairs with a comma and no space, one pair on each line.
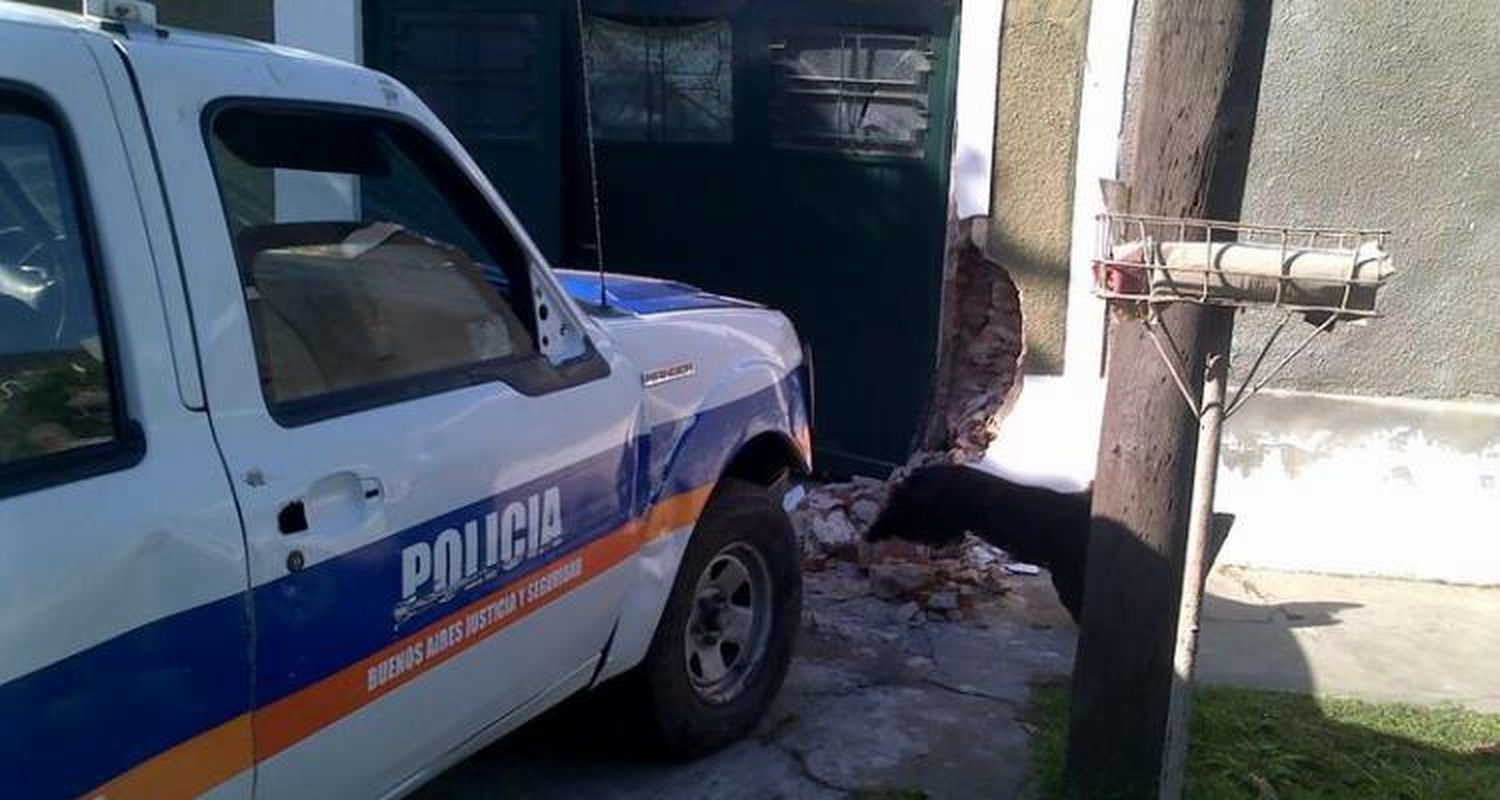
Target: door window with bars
661,83
481,72
852,90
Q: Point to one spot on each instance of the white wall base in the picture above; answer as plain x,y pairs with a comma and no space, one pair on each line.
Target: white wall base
1050,437
1319,483
1364,486
329,27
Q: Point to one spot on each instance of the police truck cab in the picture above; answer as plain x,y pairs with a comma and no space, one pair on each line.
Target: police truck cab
314,477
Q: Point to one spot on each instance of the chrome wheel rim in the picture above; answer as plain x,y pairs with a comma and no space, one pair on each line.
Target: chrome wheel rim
730,625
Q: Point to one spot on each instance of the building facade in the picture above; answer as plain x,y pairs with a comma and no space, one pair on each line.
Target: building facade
738,149
1378,450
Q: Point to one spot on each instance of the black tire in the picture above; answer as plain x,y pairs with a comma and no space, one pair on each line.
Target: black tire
741,519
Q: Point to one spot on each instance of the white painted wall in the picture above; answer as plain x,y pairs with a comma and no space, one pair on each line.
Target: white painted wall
1051,435
974,110
331,28
1319,483
1364,486
1101,113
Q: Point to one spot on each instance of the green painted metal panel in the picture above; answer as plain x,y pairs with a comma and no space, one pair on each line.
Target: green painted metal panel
785,179
846,238
492,70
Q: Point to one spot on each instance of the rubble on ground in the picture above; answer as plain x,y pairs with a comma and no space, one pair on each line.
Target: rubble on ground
920,583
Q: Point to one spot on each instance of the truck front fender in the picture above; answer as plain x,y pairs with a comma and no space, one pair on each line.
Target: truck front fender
754,424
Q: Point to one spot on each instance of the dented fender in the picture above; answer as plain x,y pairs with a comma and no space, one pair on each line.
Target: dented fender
713,380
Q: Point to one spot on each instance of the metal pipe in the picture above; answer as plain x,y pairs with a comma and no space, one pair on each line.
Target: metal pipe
1194,572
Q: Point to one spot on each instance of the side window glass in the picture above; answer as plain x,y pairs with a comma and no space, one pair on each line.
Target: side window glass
370,263
852,91
55,392
661,83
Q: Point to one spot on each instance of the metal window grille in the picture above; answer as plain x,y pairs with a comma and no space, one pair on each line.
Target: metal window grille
669,83
852,91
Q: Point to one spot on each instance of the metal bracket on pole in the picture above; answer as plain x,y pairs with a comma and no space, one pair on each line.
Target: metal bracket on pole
1324,274
1194,573
1174,360
1241,396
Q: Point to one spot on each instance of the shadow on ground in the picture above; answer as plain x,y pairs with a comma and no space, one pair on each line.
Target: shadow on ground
876,707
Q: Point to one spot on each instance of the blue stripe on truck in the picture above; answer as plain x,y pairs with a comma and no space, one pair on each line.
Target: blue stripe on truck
639,295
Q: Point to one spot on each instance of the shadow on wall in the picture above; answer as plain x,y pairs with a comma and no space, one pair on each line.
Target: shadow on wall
971,180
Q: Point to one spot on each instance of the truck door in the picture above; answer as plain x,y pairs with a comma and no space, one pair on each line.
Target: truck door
437,501
124,627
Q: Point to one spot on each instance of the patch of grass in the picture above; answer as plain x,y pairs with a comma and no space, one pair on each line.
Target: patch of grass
1277,746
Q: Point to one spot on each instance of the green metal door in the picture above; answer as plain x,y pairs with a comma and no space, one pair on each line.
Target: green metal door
492,70
789,151
793,152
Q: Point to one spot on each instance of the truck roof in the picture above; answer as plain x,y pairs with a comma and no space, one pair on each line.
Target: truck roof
23,14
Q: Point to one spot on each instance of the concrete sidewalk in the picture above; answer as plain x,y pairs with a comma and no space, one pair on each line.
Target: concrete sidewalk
1370,638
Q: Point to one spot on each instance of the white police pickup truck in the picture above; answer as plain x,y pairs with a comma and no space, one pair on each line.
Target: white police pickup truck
313,477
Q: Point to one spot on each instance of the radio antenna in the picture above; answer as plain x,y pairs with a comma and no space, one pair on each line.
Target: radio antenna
588,127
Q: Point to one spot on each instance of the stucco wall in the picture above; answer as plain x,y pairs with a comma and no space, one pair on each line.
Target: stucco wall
1370,112
1041,71
1370,486
1385,112
251,18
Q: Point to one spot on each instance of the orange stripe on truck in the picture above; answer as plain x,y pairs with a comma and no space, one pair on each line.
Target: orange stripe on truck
213,757
299,715
677,512
187,770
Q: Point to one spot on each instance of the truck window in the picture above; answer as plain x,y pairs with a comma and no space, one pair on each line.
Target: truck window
372,268
56,396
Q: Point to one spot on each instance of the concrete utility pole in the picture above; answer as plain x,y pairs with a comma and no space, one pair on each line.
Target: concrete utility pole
1193,112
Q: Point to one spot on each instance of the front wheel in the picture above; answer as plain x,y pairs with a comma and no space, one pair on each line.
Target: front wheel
725,638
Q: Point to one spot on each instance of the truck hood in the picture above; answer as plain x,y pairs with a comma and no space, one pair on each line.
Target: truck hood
635,294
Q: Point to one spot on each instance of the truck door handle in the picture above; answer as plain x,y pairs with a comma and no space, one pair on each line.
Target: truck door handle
292,518
340,502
